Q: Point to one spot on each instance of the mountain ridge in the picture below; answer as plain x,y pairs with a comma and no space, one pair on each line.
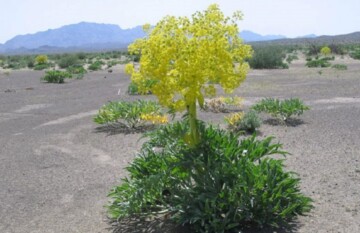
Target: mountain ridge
85,36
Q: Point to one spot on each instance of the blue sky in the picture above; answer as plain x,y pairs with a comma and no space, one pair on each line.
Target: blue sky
286,17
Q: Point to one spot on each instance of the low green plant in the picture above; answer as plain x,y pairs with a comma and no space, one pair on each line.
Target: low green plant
339,66
31,64
355,54
221,185
128,114
56,76
133,88
291,57
281,109
41,66
77,70
322,62
112,63
95,66
249,122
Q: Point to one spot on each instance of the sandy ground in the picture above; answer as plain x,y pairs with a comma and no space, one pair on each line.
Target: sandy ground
56,168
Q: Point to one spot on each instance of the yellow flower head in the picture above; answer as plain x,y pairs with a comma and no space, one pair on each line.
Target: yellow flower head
183,55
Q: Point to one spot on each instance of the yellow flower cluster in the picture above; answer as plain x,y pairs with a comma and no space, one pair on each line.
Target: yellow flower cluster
155,119
185,56
234,118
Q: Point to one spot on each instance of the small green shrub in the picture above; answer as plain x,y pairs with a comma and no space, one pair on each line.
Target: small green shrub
56,76
355,54
134,90
69,60
96,65
318,63
248,123
78,70
128,114
221,185
282,110
339,66
31,64
291,57
268,57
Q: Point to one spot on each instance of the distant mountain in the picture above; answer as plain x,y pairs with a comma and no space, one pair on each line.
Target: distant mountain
76,35
98,37
351,38
308,36
249,36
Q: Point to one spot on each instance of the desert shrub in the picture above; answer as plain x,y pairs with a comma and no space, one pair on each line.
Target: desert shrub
248,122
339,66
31,64
95,65
130,114
318,63
221,185
268,57
68,60
77,70
222,104
41,59
81,56
281,109
313,50
56,76
337,49
355,54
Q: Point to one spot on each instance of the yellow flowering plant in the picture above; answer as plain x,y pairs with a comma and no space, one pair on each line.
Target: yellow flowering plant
234,118
325,51
41,59
184,57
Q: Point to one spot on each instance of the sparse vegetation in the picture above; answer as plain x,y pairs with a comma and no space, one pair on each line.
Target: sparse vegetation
339,66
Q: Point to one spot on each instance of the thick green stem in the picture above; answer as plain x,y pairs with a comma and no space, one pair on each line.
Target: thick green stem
194,133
